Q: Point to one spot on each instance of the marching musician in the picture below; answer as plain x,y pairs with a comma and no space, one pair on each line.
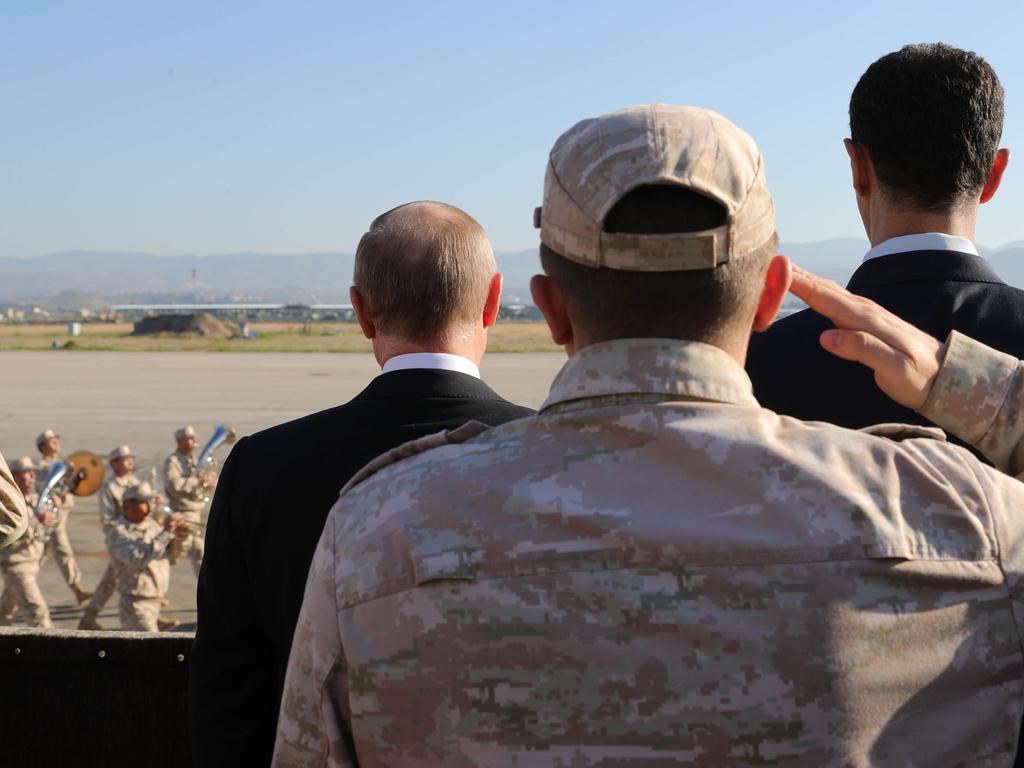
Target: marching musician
138,545
48,443
19,563
188,487
111,496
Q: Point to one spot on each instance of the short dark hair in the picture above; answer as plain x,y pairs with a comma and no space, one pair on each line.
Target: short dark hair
931,116
697,305
424,270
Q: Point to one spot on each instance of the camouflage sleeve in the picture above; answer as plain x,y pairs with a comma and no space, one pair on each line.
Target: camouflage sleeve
313,727
136,552
13,515
978,396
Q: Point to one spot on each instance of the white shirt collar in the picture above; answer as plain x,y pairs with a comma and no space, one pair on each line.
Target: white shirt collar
442,361
926,241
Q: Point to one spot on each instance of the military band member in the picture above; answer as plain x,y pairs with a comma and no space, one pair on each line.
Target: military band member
138,545
19,563
111,496
188,488
58,544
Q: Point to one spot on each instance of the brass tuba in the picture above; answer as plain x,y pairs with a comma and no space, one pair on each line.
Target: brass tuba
80,474
222,434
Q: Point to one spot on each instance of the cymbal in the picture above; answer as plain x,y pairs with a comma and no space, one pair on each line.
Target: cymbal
88,468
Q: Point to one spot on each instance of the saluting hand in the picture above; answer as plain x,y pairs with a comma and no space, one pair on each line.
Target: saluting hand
905,359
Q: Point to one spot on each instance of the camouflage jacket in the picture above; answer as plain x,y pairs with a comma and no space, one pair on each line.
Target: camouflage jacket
13,516
110,497
654,570
141,551
183,489
30,547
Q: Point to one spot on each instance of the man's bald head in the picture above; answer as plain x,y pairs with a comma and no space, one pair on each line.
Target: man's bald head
424,270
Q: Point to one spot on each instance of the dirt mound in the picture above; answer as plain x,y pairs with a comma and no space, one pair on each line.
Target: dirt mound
203,325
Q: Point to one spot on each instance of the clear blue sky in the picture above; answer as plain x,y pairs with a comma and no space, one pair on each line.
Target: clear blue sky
193,127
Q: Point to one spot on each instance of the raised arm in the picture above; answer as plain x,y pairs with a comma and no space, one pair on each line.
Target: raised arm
967,388
13,515
136,553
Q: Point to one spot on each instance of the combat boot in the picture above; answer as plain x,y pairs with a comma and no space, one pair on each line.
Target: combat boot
82,594
167,625
89,621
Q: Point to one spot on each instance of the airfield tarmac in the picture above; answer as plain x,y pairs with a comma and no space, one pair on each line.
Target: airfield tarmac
99,400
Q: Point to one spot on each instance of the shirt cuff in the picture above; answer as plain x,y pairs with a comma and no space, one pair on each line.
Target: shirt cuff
970,388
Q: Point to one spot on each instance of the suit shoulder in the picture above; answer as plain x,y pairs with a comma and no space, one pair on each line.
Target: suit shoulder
804,323
301,429
799,328
511,411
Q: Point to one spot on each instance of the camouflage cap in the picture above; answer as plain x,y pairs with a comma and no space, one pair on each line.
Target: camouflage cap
599,160
121,452
24,464
140,492
181,434
45,435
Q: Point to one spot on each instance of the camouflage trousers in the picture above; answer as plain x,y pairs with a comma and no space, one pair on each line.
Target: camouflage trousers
22,593
59,545
103,591
139,614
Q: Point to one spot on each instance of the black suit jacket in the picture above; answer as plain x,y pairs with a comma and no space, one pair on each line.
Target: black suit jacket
275,491
938,291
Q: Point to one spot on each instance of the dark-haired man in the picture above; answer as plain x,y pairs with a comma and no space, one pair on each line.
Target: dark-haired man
427,289
925,123
654,570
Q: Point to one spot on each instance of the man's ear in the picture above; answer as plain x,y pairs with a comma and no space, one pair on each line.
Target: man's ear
547,295
860,167
995,176
362,314
776,286
493,302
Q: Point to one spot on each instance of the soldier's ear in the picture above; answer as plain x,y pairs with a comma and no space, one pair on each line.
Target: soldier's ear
362,313
776,285
547,295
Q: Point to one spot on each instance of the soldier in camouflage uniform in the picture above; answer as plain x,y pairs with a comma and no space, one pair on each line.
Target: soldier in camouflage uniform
58,544
138,545
122,464
654,570
13,515
188,492
19,563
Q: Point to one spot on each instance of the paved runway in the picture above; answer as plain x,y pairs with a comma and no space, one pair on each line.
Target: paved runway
98,400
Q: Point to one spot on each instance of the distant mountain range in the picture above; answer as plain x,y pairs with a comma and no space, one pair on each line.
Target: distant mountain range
93,279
